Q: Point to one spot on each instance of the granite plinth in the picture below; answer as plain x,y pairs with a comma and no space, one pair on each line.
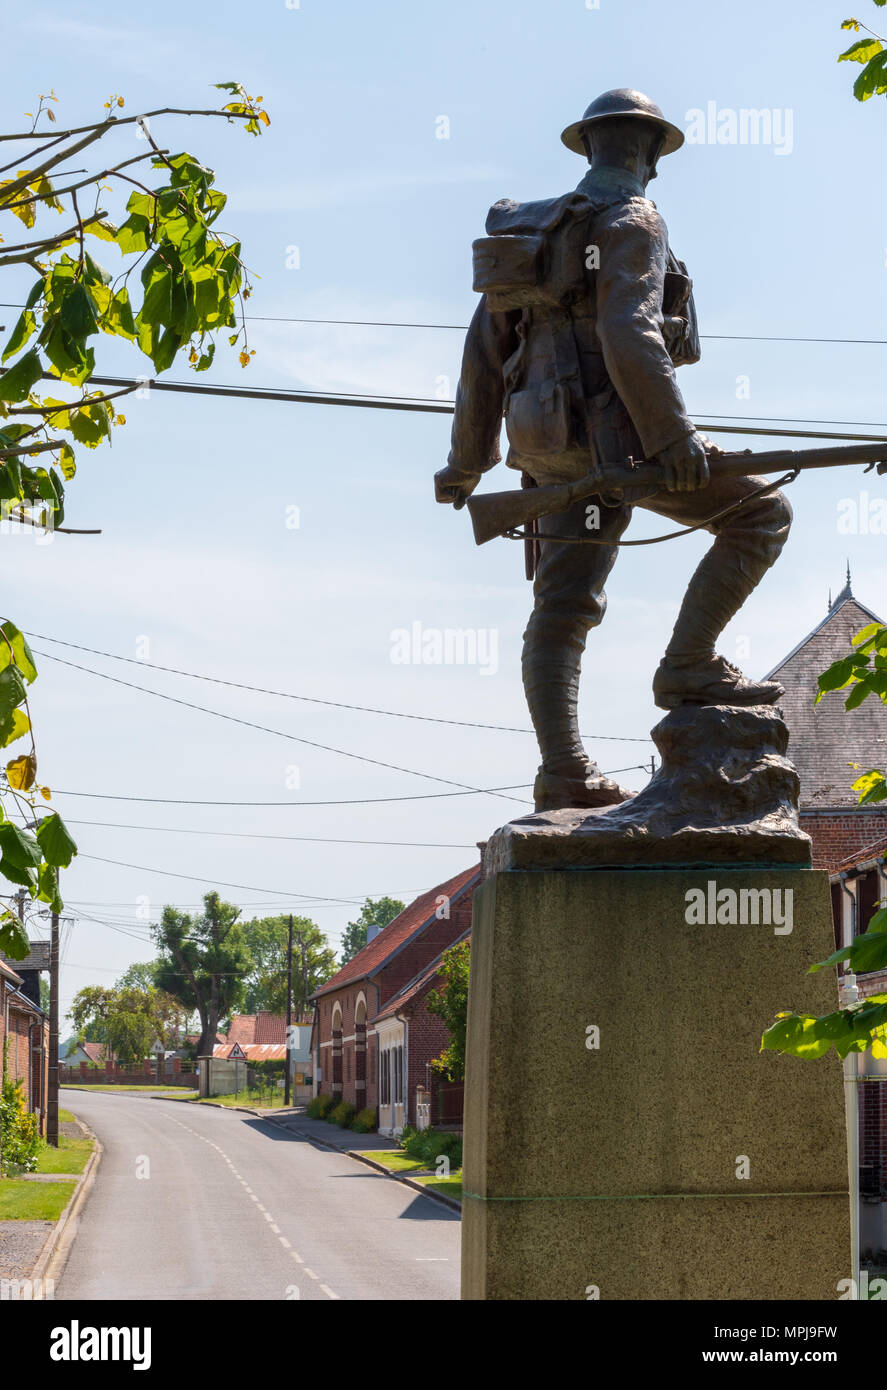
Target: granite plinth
623,1132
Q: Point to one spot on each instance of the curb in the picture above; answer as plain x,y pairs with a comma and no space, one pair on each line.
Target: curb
386,1172
53,1257
238,1109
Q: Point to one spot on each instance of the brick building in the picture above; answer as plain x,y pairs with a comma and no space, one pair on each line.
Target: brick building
848,840
363,1051
24,1040
404,1025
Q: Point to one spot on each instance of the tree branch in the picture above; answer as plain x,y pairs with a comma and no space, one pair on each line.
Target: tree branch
48,243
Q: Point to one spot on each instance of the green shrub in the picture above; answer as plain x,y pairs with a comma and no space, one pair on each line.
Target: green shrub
427,1145
20,1140
364,1122
319,1107
342,1115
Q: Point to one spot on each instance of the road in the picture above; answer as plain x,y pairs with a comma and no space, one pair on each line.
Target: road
194,1202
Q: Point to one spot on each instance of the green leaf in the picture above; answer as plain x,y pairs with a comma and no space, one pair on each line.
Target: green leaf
157,304
12,691
78,316
874,630
67,462
105,231
48,887
90,424
861,51
14,941
21,652
873,78
55,841
13,726
840,673
19,847
23,330
118,318
872,787
797,1035
16,383
25,878
134,235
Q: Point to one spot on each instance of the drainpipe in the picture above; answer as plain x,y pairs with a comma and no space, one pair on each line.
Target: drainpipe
848,994
405,1074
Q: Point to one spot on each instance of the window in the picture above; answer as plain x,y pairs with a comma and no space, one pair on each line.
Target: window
385,1077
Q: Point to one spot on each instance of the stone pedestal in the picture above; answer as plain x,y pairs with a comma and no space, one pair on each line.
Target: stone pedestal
616,1097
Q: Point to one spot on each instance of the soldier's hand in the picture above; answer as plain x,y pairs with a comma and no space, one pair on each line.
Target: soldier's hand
452,486
685,464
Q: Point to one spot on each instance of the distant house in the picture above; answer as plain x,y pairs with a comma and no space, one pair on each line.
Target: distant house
365,1053
259,1037
262,1027
405,1027
72,1053
24,1040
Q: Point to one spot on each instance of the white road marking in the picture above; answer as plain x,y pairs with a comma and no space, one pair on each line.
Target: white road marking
328,1291
296,1256
284,1242
310,1273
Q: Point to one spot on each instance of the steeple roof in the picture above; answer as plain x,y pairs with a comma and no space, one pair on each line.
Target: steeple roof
825,739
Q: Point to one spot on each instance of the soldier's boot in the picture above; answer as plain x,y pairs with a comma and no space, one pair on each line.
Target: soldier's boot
710,681
567,776
692,672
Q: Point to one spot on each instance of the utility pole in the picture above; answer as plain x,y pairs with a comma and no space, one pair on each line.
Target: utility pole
289,1010
52,1090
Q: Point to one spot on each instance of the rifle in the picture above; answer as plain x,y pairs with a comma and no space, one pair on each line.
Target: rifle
499,513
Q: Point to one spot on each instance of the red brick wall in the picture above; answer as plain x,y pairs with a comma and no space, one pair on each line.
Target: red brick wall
839,834
432,1035
23,1039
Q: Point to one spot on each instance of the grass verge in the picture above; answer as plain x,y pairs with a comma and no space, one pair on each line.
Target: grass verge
252,1100
129,1088
71,1156
396,1161
21,1200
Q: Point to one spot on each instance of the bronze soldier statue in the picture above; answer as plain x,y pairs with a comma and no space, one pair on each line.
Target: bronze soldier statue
584,316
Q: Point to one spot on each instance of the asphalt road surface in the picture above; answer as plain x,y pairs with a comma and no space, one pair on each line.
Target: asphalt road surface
194,1202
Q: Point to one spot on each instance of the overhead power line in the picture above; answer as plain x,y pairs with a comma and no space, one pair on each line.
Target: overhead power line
373,401
359,801
248,835
463,327
263,728
221,883
309,699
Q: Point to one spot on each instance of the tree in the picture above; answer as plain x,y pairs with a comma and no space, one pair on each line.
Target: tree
192,284
203,962
141,975
451,1005
871,52
861,1026
314,962
130,1018
44,994
376,912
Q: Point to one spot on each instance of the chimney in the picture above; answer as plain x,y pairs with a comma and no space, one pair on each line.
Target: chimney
373,931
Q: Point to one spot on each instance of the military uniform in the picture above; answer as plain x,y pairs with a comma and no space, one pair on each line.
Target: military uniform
585,313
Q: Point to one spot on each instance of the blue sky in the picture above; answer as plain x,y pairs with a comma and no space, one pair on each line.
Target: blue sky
195,553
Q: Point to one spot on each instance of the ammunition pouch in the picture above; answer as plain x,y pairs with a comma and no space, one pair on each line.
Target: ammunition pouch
539,420
512,272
